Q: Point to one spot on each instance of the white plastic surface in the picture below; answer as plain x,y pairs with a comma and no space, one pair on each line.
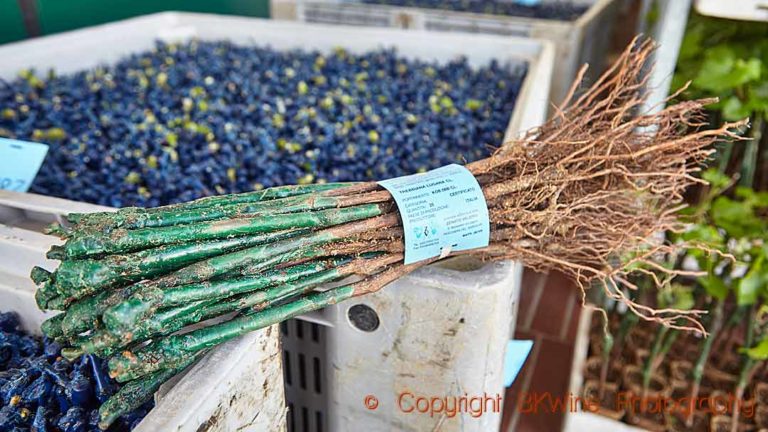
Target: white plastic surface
585,421
746,10
442,333
668,32
34,212
237,387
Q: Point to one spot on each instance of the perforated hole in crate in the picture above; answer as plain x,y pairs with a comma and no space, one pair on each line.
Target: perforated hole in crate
304,373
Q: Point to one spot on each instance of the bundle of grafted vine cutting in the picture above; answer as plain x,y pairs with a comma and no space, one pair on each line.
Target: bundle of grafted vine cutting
582,194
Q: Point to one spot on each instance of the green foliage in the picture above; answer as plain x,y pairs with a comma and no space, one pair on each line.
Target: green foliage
759,351
752,284
736,226
722,70
677,297
718,181
737,218
727,59
732,231
715,286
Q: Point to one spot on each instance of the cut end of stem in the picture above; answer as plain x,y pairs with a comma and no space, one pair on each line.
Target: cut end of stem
71,353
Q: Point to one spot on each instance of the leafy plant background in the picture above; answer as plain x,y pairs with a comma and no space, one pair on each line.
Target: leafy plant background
729,60
728,221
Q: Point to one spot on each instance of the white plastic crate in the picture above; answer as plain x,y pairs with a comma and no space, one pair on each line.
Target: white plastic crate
238,386
82,49
584,40
440,332
449,355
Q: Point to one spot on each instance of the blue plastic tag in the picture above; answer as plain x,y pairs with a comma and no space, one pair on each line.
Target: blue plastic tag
514,359
19,163
443,210
527,2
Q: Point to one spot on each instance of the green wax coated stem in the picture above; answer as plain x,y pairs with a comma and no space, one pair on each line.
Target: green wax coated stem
55,229
181,216
134,394
105,343
52,326
56,252
46,291
127,365
228,288
77,278
85,314
76,218
123,317
58,303
39,275
45,295
266,194
122,240
130,215
251,260
270,194
264,298
276,192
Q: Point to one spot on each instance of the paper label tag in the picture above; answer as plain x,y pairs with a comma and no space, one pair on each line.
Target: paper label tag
528,3
514,359
443,210
19,163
